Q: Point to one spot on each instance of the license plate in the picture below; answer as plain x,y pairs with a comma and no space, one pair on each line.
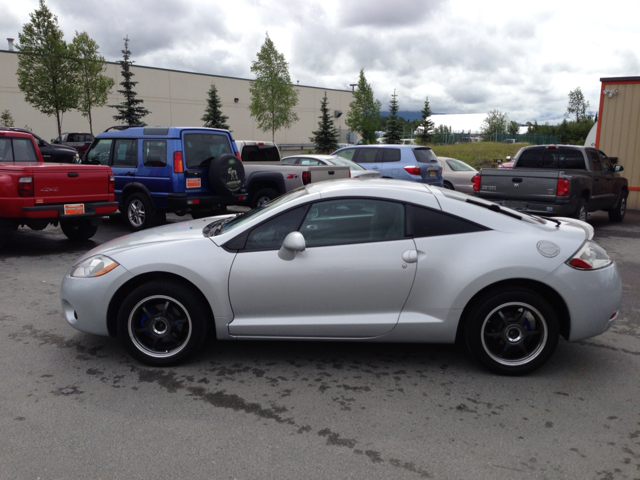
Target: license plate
74,209
432,174
194,182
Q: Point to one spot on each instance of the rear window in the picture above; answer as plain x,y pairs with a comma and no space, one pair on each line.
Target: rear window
17,150
425,155
201,148
260,153
556,158
79,137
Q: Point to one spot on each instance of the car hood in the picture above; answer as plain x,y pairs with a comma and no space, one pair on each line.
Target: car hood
175,232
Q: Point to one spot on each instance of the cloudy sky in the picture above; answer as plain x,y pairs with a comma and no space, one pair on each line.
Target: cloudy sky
467,56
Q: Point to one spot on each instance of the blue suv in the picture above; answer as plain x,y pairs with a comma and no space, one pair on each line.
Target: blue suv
169,169
402,162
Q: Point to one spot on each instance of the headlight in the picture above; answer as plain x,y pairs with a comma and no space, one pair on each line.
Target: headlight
93,267
589,257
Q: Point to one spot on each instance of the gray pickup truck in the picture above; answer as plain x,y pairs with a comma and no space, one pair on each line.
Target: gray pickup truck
557,180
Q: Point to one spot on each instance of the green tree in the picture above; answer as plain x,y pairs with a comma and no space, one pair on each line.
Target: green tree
495,122
577,107
213,116
273,97
514,128
93,86
364,111
393,132
326,137
131,111
428,126
6,120
44,66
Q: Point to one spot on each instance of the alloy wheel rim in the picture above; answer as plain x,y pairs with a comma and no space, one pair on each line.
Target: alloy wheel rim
136,213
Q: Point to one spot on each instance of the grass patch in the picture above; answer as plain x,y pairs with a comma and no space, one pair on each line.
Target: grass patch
478,154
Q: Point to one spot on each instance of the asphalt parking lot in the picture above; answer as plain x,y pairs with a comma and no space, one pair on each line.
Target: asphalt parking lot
74,405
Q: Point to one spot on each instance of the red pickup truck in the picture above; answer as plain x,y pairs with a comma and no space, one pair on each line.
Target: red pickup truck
37,194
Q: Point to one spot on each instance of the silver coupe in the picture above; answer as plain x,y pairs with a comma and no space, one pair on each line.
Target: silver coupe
378,260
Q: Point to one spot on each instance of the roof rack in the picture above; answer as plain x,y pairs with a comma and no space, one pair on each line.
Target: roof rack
122,127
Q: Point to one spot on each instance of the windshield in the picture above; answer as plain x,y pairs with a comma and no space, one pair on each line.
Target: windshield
232,223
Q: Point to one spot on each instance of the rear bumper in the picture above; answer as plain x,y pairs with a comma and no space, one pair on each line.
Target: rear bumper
539,208
91,209
178,201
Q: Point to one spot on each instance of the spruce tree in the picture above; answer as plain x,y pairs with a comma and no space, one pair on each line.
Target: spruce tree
213,116
393,135
130,112
326,137
6,120
428,125
364,111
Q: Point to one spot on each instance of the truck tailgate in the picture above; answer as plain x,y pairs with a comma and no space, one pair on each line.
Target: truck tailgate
320,173
533,184
67,183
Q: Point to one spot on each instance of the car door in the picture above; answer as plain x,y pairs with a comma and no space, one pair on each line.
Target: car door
124,162
369,157
351,281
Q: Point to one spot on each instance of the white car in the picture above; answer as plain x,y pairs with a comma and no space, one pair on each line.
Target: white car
457,175
375,260
355,170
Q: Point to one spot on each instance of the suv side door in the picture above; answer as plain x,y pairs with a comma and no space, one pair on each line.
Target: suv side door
368,157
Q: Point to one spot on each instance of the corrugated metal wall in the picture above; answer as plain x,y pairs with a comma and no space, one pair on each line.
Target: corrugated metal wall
619,129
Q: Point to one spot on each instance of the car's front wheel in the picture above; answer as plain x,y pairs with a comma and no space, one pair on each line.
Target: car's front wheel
162,323
616,214
512,332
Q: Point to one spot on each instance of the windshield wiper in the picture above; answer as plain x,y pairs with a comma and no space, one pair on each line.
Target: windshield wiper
214,228
494,207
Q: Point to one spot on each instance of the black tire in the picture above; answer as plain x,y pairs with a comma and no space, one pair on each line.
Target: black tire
78,230
448,185
226,174
208,212
582,212
512,332
138,212
262,197
162,323
6,231
616,214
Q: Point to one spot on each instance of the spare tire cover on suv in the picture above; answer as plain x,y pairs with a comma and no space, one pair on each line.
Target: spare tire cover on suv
226,174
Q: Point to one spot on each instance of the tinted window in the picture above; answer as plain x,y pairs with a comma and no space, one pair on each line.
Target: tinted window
555,158
289,161
271,234
425,155
432,223
338,222
79,137
154,153
260,153
367,155
201,148
125,152
391,155
99,153
17,150
348,153
606,163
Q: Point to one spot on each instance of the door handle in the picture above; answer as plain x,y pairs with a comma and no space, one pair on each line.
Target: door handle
410,256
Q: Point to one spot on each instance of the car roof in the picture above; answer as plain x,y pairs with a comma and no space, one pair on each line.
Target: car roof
353,188
171,132
15,134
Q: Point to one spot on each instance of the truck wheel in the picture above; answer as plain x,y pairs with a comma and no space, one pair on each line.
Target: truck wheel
262,197
138,212
512,332
6,230
582,212
616,214
162,322
226,174
78,230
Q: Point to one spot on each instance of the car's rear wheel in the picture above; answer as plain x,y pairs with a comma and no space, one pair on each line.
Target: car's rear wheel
78,230
582,212
262,197
138,212
616,214
448,185
162,323
512,332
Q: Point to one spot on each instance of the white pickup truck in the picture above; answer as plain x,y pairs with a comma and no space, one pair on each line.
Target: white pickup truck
266,178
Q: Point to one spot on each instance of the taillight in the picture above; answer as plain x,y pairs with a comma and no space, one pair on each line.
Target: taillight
178,166
412,169
476,183
84,148
590,257
112,184
238,155
562,190
306,178
25,187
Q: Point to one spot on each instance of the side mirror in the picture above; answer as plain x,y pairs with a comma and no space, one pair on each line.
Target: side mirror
293,243
508,158
618,168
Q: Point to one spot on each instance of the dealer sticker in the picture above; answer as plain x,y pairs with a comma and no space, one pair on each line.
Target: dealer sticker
74,209
194,182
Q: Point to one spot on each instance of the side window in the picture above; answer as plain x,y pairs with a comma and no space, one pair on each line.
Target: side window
99,153
270,235
289,161
125,152
310,161
23,150
154,153
6,150
391,155
367,155
595,160
431,223
606,163
347,153
356,220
